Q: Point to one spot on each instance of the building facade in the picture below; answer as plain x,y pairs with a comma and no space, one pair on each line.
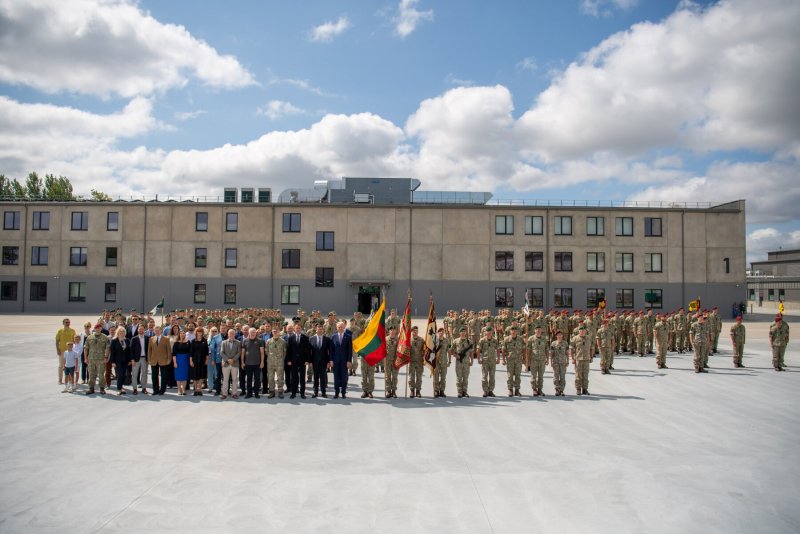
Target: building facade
774,281
82,257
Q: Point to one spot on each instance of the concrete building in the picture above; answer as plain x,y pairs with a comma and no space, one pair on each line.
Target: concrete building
773,281
337,253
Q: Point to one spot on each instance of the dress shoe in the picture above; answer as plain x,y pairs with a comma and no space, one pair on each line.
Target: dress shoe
324,395
313,395
344,395
293,396
256,395
135,391
223,397
335,395
248,396
144,392
302,395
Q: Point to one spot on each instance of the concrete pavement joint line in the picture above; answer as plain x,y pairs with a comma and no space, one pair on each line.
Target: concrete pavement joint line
480,500
151,486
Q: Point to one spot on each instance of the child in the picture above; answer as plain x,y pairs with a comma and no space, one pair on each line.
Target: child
78,348
70,360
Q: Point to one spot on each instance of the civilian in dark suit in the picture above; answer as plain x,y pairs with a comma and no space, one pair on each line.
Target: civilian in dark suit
298,354
320,358
120,356
341,358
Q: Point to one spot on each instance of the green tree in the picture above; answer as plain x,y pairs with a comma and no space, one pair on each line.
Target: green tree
57,188
33,186
11,188
100,196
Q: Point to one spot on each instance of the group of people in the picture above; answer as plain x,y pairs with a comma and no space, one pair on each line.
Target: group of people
256,352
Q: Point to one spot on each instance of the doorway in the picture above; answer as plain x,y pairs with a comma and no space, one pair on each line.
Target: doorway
368,296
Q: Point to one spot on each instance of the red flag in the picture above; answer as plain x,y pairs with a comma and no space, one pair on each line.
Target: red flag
403,354
429,354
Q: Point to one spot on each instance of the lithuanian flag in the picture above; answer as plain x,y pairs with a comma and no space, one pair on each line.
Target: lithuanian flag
371,344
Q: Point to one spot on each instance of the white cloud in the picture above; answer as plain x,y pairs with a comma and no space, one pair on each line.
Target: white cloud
527,64
764,240
716,79
276,109
452,79
188,115
324,33
105,48
305,85
605,8
409,17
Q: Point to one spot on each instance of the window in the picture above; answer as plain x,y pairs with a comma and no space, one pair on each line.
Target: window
80,220
624,225
534,261
41,220
595,225
112,223
781,294
77,256
39,255
201,221
77,291
596,261
504,297
290,294
111,292
751,294
11,220
8,291
324,277
624,298
38,291
324,240
624,261
291,222
653,298
652,262
536,297
229,195
562,298
562,225
504,224
771,295
200,257
264,195
247,195
594,296
504,261
563,261
290,258
111,256
231,222
10,255
652,227
199,293
231,257
534,225
230,294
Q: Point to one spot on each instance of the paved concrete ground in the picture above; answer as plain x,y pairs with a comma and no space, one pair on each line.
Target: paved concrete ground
649,451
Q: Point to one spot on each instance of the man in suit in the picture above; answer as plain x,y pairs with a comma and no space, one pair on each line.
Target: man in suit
320,357
139,346
298,354
159,356
341,356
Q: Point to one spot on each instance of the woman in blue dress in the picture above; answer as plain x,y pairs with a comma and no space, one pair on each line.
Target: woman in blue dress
180,360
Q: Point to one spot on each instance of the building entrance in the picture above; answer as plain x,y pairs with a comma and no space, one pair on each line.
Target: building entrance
368,298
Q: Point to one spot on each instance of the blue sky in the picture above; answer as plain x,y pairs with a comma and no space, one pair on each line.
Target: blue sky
573,99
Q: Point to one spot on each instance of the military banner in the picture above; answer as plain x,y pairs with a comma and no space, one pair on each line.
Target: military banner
403,354
431,342
371,344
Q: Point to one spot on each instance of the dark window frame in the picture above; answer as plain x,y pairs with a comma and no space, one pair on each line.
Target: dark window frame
40,293
9,290
621,300
199,293
531,261
112,226
558,224
80,295
290,258
529,219
10,255
600,226
620,227
504,260
619,262
232,221
562,297
592,301
289,219
504,228
13,223
562,261
599,262
286,294
227,291
535,297
235,262
650,227
200,258
36,255
503,297
323,277
83,253
38,218
326,240
112,262
650,305
82,221
106,293
201,225
651,256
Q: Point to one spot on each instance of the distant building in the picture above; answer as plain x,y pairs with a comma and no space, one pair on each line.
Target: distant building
336,245
775,280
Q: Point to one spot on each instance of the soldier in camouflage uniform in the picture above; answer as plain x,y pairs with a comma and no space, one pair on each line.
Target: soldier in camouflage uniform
559,361
661,334
605,345
778,339
487,357
650,322
681,330
698,335
737,340
581,351
276,354
367,378
96,350
355,331
463,349
442,351
513,351
416,365
537,344
390,375
640,331
716,328
631,333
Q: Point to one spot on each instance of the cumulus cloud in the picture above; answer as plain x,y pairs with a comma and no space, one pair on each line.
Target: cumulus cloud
604,8
105,48
325,33
704,80
409,17
764,240
276,109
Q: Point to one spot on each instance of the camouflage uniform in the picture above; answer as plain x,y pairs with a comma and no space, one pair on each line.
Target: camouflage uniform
513,349
442,361
681,329
559,360
582,356
737,340
416,365
96,347
367,377
538,348
778,339
605,342
661,334
488,354
355,331
390,376
699,336
463,364
276,354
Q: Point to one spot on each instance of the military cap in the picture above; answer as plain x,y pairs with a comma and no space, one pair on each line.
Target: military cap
462,329
514,327
488,328
414,328
582,327
331,313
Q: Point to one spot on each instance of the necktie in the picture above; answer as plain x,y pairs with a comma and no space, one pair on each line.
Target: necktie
158,340
297,338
